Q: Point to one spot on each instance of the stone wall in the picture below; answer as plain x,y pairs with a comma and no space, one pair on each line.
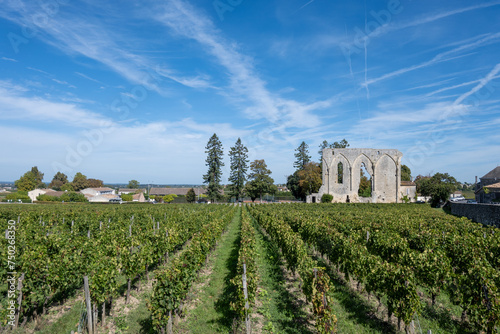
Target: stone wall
382,165
488,214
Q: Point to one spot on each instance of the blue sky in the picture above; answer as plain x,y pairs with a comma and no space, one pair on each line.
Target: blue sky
123,90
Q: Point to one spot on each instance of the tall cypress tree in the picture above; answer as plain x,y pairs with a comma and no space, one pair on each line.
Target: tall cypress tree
239,166
302,156
214,162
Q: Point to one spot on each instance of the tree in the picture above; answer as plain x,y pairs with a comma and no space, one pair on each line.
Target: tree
169,198
322,146
302,156
239,166
260,182
38,177
310,178
365,185
342,144
94,183
30,180
405,173
79,182
127,197
214,162
294,186
191,196
26,182
67,187
438,187
58,181
133,184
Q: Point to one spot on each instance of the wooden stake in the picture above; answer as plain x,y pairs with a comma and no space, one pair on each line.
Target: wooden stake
87,302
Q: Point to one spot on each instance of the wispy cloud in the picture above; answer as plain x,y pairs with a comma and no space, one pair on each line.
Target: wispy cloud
17,106
9,59
244,81
483,82
88,78
62,82
387,28
441,57
92,39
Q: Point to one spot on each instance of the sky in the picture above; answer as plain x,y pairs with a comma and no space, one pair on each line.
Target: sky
122,90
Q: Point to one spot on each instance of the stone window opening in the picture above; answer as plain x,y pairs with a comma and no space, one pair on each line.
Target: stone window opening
340,173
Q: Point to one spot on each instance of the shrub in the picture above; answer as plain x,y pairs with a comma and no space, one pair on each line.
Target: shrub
326,198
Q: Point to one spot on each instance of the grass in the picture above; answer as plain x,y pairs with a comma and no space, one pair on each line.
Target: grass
278,308
212,313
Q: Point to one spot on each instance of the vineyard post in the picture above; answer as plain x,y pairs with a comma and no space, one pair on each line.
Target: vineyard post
19,298
169,324
87,302
245,293
367,236
72,222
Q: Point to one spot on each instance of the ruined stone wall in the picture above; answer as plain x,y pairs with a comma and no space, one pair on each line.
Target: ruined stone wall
382,165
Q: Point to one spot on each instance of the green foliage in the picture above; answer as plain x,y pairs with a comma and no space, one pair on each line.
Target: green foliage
69,196
169,198
239,166
260,182
302,156
316,282
215,163
405,173
30,180
133,184
322,146
67,187
310,178
94,183
127,197
58,181
173,282
439,187
246,255
191,196
342,144
79,182
294,186
326,198
22,195
365,186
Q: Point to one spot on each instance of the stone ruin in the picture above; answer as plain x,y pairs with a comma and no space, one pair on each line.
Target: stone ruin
341,175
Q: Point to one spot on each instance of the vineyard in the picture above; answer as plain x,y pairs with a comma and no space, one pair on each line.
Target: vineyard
286,268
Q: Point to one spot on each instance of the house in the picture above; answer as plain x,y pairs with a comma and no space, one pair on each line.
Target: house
104,198
408,189
139,198
175,191
488,189
98,191
33,194
456,194
122,191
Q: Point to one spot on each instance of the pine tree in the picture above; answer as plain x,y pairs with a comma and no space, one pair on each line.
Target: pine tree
239,166
214,162
322,146
260,180
191,196
302,156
